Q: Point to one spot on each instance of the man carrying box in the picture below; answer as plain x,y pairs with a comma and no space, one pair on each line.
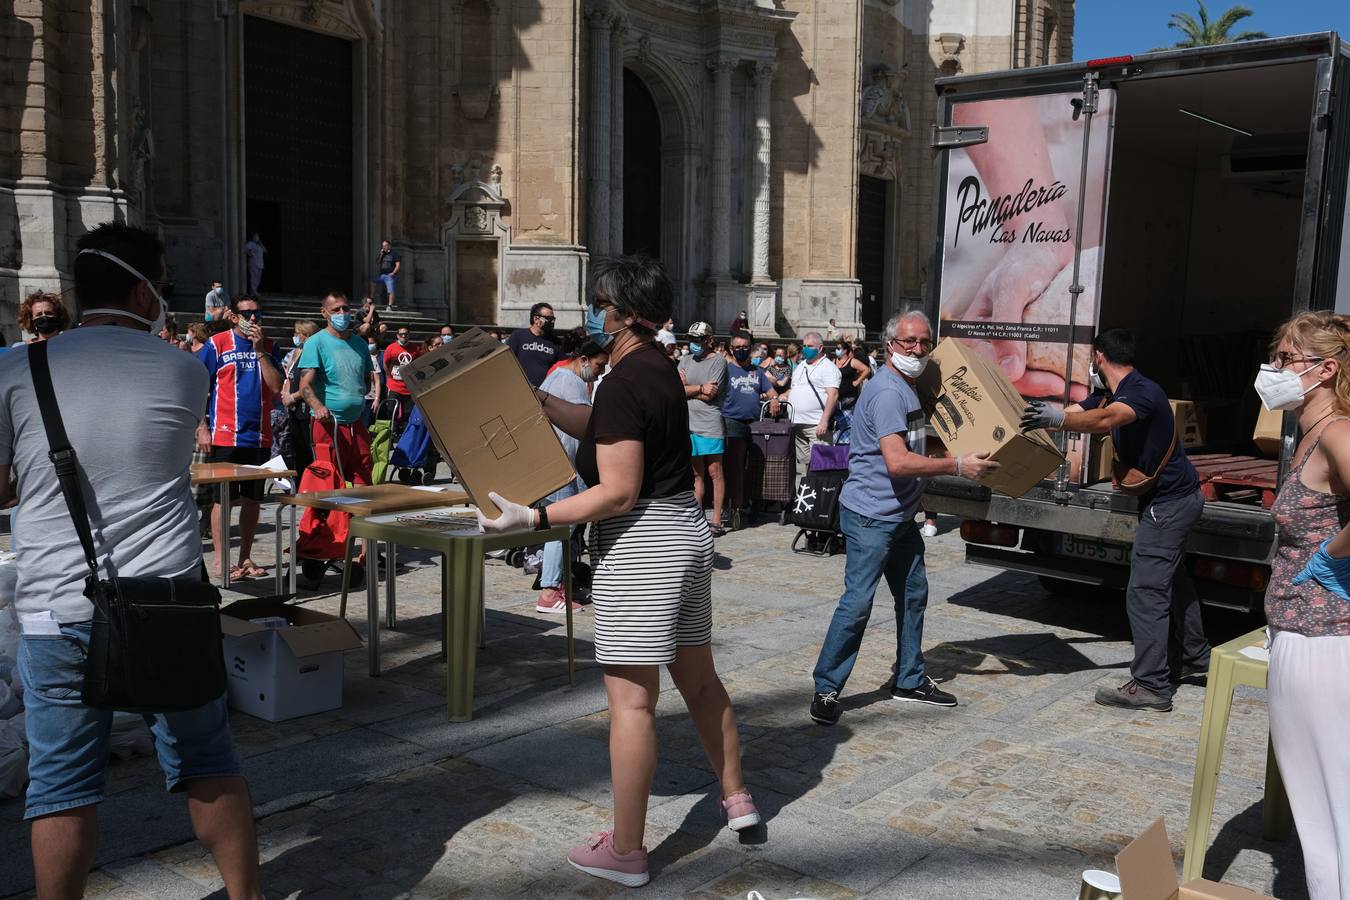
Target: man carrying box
1139,418
878,503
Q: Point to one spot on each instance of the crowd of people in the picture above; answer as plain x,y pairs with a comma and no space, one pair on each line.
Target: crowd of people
656,431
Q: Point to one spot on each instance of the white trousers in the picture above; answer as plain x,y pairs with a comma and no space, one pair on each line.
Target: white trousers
1309,698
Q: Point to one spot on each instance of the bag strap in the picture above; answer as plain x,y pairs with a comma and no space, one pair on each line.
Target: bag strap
60,452
811,384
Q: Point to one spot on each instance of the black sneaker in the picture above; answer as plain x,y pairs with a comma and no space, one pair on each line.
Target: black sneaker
928,692
1190,674
1133,695
825,708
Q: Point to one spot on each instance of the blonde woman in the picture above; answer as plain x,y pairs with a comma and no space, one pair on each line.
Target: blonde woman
1308,600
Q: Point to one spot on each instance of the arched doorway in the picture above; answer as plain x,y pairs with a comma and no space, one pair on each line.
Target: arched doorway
642,139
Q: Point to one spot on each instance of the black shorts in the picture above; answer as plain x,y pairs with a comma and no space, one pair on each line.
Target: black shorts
242,456
736,430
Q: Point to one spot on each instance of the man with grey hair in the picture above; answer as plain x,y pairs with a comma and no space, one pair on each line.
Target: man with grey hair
813,396
887,464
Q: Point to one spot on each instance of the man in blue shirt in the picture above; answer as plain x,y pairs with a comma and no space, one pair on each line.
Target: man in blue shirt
886,468
747,388
1138,415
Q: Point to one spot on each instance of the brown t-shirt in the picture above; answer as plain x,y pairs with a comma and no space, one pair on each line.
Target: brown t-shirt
642,399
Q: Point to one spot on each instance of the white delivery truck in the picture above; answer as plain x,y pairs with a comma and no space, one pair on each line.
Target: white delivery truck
1197,197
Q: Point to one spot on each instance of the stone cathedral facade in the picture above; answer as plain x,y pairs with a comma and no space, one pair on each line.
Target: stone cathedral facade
774,154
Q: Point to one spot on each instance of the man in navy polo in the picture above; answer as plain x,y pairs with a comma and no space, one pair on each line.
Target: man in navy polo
1160,599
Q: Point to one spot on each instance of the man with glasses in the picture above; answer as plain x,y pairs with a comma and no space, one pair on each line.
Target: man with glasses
534,346
396,356
887,464
336,374
245,370
1160,599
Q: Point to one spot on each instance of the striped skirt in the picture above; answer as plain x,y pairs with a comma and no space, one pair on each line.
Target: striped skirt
652,582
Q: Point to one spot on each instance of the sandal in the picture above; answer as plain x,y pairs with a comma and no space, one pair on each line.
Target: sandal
239,573
252,569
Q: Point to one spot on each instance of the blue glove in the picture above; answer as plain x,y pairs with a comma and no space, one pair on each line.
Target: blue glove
1328,571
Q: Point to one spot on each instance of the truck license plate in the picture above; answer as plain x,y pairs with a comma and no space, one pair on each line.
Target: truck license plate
1097,551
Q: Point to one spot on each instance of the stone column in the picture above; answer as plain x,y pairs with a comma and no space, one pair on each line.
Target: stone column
602,74
762,73
722,69
616,138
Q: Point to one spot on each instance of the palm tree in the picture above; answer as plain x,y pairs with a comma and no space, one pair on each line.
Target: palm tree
1203,32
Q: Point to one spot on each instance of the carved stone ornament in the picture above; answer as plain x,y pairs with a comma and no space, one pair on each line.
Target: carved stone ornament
883,99
476,206
475,219
877,157
951,43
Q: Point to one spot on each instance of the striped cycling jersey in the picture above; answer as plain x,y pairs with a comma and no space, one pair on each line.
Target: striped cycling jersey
241,404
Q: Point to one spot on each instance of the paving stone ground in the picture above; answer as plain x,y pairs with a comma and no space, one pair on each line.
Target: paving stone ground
1012,794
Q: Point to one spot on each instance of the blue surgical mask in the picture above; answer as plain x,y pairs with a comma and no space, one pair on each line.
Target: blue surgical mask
341,321
295,339
756,360
695,349
810,353
595,327
780,360
447,338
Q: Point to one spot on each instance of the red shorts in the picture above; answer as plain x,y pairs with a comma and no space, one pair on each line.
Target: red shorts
353,448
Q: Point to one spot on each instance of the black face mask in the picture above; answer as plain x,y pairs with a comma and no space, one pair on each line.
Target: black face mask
741,353
46,324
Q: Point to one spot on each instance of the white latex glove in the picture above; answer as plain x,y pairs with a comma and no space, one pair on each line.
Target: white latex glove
514,517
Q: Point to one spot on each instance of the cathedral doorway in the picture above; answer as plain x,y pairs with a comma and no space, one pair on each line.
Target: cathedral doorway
641,168
298,114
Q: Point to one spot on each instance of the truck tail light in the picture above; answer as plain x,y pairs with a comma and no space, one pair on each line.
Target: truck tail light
1226,571
988,533
1105,61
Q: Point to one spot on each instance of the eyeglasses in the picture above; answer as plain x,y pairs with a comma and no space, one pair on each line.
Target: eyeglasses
910,343
1283,358
547,320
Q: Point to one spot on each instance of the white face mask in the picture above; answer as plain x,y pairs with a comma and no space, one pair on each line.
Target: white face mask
1095,379
909,366
588,373
157,325
1281,389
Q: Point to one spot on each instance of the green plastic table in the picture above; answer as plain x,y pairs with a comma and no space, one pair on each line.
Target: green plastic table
464,549
1229,667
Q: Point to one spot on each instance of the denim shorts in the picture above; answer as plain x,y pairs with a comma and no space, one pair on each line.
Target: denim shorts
390,281
68,741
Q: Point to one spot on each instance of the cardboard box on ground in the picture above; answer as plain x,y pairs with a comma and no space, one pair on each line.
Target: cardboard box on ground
1189,426
1148,872
284,661
484,418
975,409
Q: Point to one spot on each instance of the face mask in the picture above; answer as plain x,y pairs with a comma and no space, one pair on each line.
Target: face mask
372,347
46,324
402,341
909,366
1280,389
839,353
1095,379
157,324
341,321
740,354
756,360
696,349
447,338
588,373
810,353
780,360
296,340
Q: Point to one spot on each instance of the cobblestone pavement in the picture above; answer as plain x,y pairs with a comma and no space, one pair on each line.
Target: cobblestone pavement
1012,794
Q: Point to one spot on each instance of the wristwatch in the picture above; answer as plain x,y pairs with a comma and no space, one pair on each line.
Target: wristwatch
542,524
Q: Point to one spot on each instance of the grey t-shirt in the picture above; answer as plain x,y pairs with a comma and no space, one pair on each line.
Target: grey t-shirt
564,384
705,417
130,403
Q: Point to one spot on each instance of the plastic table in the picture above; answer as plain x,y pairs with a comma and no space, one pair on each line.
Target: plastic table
226,474
464,548
1229,667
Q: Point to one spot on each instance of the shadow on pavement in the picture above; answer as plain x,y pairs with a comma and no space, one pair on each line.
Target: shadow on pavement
1243,832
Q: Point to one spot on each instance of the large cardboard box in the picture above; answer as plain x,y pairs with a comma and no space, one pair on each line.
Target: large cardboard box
484,418
1269,432
1189,427
284,661
1147,872
975,409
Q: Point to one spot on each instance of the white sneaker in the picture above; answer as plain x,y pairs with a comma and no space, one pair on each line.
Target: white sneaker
928,530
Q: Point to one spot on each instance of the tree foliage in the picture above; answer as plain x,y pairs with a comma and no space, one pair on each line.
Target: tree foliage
1204,32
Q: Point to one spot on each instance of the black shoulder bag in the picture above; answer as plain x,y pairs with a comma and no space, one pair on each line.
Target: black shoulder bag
154,644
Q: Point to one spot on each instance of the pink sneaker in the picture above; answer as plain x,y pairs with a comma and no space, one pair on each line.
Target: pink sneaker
740,811
552,600
597,857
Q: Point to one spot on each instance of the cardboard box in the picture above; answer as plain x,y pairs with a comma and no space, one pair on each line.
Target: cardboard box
976,410
284,669
1103,451
1147,872
1269,432
484,418
1189,427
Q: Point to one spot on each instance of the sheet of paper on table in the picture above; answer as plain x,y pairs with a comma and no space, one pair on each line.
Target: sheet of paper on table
1260,654
347,500
434,489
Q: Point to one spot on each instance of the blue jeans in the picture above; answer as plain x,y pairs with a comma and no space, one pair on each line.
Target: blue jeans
68,741
876,548
551,573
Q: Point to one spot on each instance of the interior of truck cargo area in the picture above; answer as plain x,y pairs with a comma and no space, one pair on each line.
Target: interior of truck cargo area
1204,216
